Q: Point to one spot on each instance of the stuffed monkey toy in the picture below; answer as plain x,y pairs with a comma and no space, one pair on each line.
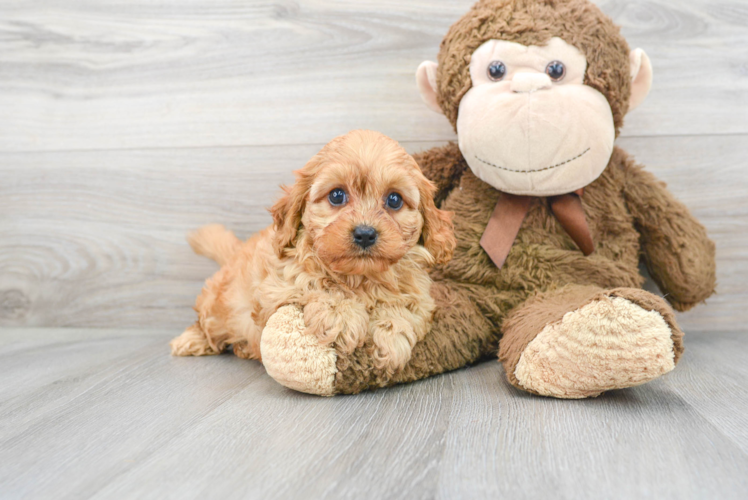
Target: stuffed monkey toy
551,218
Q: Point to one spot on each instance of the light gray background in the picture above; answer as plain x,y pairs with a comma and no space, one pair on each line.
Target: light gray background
124,124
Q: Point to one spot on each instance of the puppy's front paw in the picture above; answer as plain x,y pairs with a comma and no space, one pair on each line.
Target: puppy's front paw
192,342
293,357
393,343
344,323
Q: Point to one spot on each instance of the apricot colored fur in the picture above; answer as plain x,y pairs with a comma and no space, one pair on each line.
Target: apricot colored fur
308,257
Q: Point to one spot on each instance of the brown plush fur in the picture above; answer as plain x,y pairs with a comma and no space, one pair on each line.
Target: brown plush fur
350,296
545,258
631,215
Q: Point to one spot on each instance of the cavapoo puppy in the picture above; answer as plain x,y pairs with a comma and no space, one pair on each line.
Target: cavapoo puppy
350,244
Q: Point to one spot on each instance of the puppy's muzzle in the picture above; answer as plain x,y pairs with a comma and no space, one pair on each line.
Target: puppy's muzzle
365,236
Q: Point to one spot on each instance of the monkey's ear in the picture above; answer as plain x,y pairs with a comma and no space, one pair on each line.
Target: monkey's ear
426,81
641,77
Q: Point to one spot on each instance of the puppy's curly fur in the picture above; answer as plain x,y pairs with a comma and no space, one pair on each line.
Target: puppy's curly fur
309,257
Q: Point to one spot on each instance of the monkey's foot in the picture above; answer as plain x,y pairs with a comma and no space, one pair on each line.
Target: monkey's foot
615,339
294,358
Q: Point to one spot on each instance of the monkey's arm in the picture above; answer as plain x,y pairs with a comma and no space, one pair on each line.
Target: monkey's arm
677,251
443,166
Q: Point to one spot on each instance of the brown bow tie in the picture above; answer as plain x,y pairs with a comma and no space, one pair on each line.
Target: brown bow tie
511,210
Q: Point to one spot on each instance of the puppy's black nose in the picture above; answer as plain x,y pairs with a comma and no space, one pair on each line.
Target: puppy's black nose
365,236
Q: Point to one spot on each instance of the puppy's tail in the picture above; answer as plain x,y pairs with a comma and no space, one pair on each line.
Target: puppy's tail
215,242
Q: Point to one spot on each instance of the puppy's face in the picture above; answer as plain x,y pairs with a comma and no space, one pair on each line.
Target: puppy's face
363,216
364,204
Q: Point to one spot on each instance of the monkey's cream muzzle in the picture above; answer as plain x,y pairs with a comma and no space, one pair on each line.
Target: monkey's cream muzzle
541,143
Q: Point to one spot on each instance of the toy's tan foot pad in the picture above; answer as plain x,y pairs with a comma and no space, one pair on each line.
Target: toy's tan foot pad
295,359
607,344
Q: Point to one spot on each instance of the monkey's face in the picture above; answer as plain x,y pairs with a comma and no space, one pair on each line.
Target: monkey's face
529,125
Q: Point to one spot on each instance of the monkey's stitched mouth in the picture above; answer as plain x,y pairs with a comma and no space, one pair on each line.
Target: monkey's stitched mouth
538,170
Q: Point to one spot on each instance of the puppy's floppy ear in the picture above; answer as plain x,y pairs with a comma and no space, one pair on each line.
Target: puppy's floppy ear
438,231
289,209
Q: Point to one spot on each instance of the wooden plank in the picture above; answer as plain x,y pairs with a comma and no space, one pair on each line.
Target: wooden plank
79,353
145,425
96,239
93,420
643,442
100,75
712,382
375,445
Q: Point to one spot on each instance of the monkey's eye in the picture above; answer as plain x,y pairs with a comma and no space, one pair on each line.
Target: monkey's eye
394,201
556,70
496,71
337,197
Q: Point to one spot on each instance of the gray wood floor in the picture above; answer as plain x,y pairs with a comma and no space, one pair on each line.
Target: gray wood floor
108,414
123,125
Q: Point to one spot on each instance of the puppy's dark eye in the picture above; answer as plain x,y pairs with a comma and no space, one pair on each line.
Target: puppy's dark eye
496,71
394,201
337,197
556,70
